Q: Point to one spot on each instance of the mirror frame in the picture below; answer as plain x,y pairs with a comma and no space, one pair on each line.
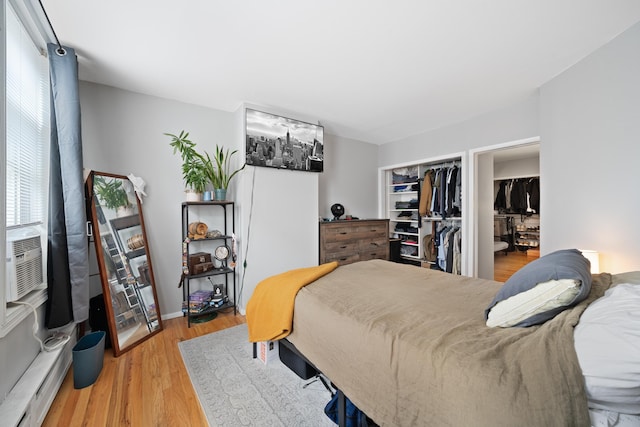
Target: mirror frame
104,275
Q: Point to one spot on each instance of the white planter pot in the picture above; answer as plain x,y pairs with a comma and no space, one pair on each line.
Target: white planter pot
193,196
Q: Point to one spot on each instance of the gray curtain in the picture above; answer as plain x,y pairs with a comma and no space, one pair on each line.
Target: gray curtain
68,258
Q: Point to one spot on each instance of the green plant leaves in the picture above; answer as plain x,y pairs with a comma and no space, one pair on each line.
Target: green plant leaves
199,169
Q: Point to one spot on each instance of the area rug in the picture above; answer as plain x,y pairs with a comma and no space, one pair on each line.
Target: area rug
236,390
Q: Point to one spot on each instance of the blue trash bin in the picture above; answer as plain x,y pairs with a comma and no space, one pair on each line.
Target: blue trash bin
88,354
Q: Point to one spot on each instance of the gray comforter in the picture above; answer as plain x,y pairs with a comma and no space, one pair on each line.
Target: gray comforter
409,347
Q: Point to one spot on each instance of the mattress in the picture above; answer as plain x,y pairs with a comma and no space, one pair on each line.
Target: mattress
408,344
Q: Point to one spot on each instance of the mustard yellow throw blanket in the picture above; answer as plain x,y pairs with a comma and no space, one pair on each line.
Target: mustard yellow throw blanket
270,308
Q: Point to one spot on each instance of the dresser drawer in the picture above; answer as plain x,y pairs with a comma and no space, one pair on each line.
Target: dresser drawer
374,249
372,231
342,258
337,233
342,246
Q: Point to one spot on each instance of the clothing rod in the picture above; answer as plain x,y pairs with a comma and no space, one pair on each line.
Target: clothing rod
60,50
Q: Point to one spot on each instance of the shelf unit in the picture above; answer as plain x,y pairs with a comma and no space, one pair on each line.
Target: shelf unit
527,234
225,272
523,232
404,221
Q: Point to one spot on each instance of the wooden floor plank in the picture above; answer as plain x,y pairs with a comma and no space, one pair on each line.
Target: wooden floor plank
146,386
504,266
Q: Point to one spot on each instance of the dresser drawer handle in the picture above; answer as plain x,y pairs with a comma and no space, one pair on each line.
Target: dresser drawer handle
343,232
344,247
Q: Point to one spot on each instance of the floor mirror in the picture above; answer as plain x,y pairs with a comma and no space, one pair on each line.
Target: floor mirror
126,272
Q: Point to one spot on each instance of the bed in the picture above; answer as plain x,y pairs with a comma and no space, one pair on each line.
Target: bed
410,346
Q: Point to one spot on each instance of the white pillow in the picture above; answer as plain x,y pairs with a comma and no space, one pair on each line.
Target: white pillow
541,298
607,341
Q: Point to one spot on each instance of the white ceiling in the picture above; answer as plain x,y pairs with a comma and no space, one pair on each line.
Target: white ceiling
371,70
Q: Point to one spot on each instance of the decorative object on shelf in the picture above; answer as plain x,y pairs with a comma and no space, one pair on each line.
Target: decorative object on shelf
214,234
125,264
337,210
221,254
197,230
200,262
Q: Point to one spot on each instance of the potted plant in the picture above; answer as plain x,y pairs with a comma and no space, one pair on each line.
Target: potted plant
195,167
221,175
200,169
112,195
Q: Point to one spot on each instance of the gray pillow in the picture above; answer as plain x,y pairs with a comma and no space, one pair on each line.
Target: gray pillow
562,264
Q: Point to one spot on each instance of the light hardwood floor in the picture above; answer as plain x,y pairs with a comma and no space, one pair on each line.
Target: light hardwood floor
505,265
146,386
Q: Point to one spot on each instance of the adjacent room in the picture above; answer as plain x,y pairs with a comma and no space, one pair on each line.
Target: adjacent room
318,213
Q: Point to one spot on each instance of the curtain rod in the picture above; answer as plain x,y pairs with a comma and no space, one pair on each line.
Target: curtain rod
60,50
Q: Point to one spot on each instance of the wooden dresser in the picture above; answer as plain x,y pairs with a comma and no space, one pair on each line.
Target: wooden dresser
349,241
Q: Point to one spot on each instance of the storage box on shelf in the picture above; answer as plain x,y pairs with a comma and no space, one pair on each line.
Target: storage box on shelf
209,283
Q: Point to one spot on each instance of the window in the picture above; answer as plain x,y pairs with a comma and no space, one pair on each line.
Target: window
27,133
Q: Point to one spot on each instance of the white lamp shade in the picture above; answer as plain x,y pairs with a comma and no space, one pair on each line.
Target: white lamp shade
594,259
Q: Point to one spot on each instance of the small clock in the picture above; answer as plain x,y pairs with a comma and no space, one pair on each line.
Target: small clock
221,253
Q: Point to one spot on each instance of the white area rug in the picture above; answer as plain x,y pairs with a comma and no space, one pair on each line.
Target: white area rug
236,390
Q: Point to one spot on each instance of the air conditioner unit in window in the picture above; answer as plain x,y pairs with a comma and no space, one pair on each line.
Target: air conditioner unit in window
24,266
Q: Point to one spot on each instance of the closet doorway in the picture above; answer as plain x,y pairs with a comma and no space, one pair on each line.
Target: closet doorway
506,236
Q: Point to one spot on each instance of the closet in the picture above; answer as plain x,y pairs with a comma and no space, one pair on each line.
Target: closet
517,213
424,204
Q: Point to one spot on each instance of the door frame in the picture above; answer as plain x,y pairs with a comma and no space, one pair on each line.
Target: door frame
473,204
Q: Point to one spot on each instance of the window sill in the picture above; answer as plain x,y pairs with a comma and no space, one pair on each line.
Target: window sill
16,313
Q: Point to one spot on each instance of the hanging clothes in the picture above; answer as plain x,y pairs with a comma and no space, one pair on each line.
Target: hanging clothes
521,195
533,188
452,209
426,194
501,198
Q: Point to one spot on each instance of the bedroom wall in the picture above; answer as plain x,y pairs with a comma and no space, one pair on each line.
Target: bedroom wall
123,133
349,178
278,211
514,122
590,127
517,168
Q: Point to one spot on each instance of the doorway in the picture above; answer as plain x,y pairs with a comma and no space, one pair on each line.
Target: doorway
490,166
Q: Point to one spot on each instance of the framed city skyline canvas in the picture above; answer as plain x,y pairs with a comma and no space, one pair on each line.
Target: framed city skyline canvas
283,143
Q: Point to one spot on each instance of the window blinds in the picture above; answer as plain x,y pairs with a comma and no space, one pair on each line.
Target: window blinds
27,123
